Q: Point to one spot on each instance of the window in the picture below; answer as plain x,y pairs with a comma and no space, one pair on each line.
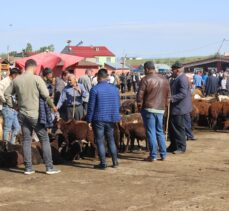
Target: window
108,59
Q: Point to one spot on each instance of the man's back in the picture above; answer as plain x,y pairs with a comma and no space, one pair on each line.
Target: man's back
154,92
28,88
104,103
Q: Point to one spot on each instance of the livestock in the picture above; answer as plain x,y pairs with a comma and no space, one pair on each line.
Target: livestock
128,107
132,127
215,114
203,109
75,134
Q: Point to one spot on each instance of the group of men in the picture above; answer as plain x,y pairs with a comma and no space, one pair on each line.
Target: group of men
100,104
211,83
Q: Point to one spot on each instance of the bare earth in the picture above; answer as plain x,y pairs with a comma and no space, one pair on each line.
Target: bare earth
196,180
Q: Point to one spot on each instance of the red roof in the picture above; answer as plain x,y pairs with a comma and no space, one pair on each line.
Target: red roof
88,51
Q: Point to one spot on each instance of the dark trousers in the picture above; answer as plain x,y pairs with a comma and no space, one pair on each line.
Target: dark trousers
104,130
29,124
177,133
188,126
78,114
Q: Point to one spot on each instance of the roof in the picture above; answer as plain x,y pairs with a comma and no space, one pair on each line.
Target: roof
116,66
88,51
217,58
87,63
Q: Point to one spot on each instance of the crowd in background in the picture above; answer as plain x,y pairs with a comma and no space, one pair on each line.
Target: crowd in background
95,98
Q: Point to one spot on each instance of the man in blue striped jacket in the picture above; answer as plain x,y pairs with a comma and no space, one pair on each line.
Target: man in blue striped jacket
102,114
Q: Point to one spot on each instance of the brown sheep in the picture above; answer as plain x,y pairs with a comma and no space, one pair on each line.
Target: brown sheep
129,107
215,114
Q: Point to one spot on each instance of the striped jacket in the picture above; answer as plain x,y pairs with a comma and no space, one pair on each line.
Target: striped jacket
104,103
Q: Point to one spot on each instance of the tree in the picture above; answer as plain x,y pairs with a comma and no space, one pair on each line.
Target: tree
47,48
29,48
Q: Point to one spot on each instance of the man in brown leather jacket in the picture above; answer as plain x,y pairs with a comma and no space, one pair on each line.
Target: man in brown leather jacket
152,98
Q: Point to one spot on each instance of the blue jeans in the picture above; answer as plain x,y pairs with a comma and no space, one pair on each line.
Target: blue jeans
104,130
11,124
154,132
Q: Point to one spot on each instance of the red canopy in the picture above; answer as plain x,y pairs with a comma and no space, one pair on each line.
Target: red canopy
50,60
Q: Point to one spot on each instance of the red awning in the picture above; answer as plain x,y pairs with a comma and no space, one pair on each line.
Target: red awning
50,60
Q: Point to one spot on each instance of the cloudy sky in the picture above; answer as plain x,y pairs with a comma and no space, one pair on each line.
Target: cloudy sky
146,28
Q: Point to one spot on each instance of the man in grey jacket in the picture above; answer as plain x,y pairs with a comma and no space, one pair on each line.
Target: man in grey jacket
28,89
86,80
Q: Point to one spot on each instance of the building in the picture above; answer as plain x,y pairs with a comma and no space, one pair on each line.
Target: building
95,54
217,62
117,67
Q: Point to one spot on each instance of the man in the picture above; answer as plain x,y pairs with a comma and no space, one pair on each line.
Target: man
152,97
72,98
86,80
28,88
212,84
123,82
11,125
103,113
197,79
59,86
181,105
48,78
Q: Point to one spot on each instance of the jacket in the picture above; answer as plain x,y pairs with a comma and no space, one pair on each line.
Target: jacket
212,85
45,114
181,99
154,92
104,103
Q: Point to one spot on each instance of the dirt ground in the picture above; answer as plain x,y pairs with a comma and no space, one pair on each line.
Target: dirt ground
196,180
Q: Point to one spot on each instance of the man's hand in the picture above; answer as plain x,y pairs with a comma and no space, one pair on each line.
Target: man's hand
139,107
55,109
89,125
77,88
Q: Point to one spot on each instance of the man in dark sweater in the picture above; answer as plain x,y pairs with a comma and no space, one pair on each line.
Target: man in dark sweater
181,105
102,114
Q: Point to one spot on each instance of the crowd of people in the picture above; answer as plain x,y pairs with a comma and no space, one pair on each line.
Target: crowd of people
209,83
29,103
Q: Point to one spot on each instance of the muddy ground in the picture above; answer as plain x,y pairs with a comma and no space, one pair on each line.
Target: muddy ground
196,180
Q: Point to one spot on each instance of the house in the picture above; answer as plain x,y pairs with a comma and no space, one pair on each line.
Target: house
217,62
95,54
117,67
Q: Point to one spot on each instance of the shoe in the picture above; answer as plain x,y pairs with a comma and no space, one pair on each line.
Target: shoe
149,159
191,139
115,165
100,166
29,171
162,159
178,152
52,171
170,149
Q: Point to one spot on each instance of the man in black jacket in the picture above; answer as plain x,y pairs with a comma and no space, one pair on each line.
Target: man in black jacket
181,104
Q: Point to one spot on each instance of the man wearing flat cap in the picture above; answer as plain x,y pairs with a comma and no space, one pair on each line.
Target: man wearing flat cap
181,105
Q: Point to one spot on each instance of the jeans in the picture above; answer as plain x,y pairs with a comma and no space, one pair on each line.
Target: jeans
101,130
11,124
153,123
28,125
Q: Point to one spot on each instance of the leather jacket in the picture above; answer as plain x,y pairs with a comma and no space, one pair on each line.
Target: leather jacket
154,92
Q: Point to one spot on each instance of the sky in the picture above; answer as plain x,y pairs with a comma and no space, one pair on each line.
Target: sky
146,28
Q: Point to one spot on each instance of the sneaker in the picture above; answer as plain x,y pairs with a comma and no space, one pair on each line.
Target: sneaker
178,152
29,171
100,166
115,165
149,159
52,171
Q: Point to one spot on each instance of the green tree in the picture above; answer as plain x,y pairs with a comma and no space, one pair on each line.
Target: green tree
29,48
46,48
